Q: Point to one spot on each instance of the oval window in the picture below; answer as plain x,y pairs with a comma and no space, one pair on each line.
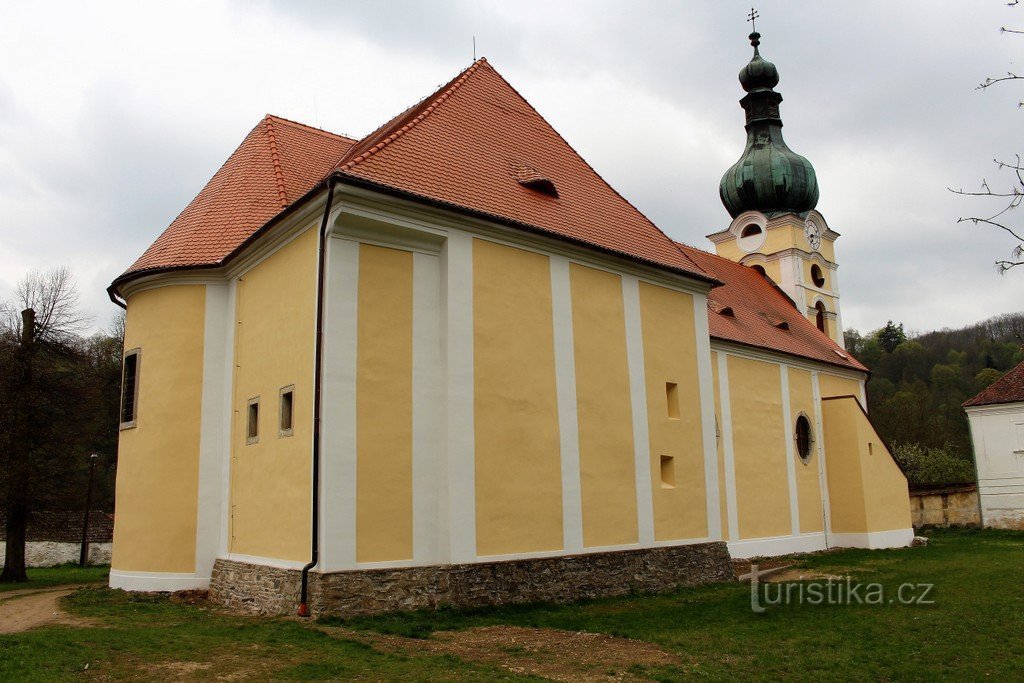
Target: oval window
803,438
817,276
751,237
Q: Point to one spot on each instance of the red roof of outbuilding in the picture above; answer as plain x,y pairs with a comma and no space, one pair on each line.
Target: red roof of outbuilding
1007,389
761,314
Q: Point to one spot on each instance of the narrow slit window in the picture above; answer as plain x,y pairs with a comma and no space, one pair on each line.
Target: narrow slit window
252,421
819,316
130,389
672,397
287,407
668,472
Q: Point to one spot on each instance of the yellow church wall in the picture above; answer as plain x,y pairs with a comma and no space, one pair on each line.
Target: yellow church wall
674,418
517,450
274,337
604,413
759,449
720,441
835,385
886,499
158,459
808,482
844,474
384,524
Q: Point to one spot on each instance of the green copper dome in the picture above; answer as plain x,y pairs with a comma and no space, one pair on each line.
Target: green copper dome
769,177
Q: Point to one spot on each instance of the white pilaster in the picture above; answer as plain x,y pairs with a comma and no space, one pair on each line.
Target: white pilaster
427,459
227,380
727,449
705,382
338,428
787,424
819,441
214,440
568,422
458,512
638,398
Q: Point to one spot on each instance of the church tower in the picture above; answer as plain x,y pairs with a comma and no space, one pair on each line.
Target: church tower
771,193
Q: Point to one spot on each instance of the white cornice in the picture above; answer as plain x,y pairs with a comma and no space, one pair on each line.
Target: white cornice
996,408
737,349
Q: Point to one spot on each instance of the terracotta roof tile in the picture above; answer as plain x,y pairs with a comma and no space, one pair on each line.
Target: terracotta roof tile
1007,389
749,309
277,162
462,147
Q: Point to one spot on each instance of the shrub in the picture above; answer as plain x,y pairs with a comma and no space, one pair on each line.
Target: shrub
934,465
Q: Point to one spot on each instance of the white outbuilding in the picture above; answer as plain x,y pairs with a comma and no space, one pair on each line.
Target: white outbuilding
996,417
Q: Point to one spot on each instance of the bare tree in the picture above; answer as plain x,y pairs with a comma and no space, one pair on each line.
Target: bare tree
1010,198
38,397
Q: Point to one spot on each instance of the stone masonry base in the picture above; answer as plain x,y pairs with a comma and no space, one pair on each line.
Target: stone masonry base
259,589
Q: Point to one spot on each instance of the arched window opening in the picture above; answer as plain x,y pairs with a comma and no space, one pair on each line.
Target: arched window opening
752,230
804,439
819,317
759,269
817,276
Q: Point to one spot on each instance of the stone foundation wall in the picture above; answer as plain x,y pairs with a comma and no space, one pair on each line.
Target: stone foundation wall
945,506
268,590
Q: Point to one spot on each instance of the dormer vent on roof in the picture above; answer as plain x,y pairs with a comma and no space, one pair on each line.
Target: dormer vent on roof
775,322
721,309
528,176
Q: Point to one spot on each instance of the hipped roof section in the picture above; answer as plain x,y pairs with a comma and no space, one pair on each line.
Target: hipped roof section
463,148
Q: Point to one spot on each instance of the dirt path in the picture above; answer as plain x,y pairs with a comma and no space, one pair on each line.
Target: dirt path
545,652
30,608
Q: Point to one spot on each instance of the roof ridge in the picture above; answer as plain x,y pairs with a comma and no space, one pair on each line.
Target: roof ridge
593,170
275,159
436,100
313,129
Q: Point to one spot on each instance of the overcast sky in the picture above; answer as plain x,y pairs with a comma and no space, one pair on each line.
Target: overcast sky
114,115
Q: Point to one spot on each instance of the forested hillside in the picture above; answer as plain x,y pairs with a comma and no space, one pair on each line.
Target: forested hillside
919,381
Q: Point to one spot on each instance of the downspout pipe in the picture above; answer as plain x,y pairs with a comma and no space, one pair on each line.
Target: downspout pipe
318,363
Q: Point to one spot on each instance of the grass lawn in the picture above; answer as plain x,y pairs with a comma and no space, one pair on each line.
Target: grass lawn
41,577
972,630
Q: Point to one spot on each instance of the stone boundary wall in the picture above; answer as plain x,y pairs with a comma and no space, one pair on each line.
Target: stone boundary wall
945,506
50,553
259,589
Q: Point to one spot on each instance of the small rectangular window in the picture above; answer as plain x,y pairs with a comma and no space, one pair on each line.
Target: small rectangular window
252,424
668,472
286,411
130,388
672,396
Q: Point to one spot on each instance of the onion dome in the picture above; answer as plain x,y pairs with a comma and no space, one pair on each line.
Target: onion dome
769,177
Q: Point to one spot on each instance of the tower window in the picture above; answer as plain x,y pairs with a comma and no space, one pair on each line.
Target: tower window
752,230
817,276
819,316
130,388
286,411
803,438
760,269
252,421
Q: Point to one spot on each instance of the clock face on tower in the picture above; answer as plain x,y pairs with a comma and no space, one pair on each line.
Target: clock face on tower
813,234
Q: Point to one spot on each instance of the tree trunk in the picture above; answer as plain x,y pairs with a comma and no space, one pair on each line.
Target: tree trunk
14,562
20,463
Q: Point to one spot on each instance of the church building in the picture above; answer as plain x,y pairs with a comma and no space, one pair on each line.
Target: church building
449,364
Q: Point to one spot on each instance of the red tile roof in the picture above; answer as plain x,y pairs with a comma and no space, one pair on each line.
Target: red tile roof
761,314
1007,389
277,163
474,145
466,147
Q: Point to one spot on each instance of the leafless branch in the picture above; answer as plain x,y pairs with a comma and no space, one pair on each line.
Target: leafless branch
54,297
